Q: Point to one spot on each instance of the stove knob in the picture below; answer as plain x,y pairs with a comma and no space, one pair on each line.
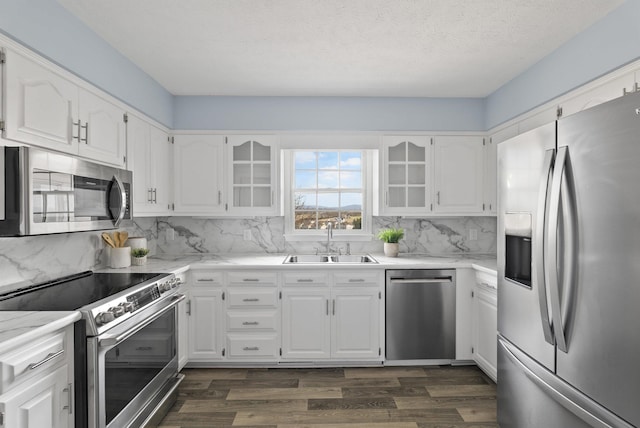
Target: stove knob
165,286
104,318
128,306
117,311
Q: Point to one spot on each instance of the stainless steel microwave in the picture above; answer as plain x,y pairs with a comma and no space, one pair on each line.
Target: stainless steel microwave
46,192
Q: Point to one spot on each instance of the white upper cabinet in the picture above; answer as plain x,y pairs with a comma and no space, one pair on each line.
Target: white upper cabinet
406,175
148,154
41,106
45,108
198,179
252,175
458,174
491,177
102,129
614,88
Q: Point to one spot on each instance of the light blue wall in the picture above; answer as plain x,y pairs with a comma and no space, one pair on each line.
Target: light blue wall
48,28
329,113
605,46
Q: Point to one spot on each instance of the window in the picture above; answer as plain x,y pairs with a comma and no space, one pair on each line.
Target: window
327,187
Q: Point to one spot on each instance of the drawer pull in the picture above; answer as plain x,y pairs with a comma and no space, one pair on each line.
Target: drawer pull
305,280
250,348
250,279
356,279
250,323
46,359
144,348
251,300
206,280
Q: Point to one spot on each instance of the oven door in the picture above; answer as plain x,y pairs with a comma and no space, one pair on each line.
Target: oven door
129,369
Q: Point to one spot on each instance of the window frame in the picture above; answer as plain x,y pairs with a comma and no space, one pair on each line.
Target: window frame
288,186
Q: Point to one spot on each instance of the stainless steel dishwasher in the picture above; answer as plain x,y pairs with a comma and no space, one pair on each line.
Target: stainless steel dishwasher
421,314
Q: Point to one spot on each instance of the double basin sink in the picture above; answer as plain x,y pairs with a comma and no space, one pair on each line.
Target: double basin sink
329,258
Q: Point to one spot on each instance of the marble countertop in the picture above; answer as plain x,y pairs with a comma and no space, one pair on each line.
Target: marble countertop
177,264
19,327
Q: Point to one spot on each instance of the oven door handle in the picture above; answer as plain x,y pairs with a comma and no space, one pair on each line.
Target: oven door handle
107,340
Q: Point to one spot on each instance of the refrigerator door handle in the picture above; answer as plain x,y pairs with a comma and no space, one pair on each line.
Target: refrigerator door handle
552,239
543,196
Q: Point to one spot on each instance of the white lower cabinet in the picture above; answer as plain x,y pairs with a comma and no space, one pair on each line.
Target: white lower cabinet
465,282
36,387
306,326
43,403
335,316
252,317
485,323
206,317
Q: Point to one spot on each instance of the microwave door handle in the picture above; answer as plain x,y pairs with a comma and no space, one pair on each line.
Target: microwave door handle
122,206
552,236
540,241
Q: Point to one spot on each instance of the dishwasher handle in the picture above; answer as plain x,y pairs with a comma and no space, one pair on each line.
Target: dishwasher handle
439,280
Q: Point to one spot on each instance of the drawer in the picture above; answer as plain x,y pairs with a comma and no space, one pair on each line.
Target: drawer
359,278
315,278
486,280
266,297
252,345
249,278
35,359
256,320
201,278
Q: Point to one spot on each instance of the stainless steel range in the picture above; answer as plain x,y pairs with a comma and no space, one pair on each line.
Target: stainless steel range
131,344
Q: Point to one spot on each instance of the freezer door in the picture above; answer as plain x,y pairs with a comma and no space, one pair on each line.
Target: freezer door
601,319
530,396
524,164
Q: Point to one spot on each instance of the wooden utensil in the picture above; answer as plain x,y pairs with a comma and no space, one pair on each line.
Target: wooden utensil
123,238
107,238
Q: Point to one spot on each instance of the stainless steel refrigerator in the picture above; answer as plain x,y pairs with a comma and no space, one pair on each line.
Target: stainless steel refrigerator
569,271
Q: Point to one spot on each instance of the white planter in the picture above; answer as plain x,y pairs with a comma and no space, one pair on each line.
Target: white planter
139,261
391,249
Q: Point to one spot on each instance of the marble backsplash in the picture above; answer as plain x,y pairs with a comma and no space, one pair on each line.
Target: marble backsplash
38,258
427,236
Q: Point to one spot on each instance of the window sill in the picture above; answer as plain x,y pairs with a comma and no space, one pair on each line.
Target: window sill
316,237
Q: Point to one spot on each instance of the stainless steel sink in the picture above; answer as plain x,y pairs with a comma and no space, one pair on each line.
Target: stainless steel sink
328,258
355,258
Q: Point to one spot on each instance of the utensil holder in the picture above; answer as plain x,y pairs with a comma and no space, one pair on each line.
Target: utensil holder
120,257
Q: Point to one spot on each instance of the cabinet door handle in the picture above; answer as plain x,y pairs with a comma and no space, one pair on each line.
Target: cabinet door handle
76,137
334,307
438,197
188,307
251,300
86,133
155,195
219,197
305,280
250,323
149,195
46,359
250,348
356,279
327,306
250,279
69,391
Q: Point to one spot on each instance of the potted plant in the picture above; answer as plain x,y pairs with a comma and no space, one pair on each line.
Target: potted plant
139,256
390,237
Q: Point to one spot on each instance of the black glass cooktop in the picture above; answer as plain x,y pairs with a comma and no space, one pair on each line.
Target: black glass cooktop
73,292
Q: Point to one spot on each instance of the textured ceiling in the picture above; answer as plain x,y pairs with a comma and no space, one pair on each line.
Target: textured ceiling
404,48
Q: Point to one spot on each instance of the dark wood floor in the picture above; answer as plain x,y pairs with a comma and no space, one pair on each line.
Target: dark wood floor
385,397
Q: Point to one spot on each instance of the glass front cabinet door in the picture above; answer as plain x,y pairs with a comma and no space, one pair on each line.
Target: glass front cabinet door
407,175
252,166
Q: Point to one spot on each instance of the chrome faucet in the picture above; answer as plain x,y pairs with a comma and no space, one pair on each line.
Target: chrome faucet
329,235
